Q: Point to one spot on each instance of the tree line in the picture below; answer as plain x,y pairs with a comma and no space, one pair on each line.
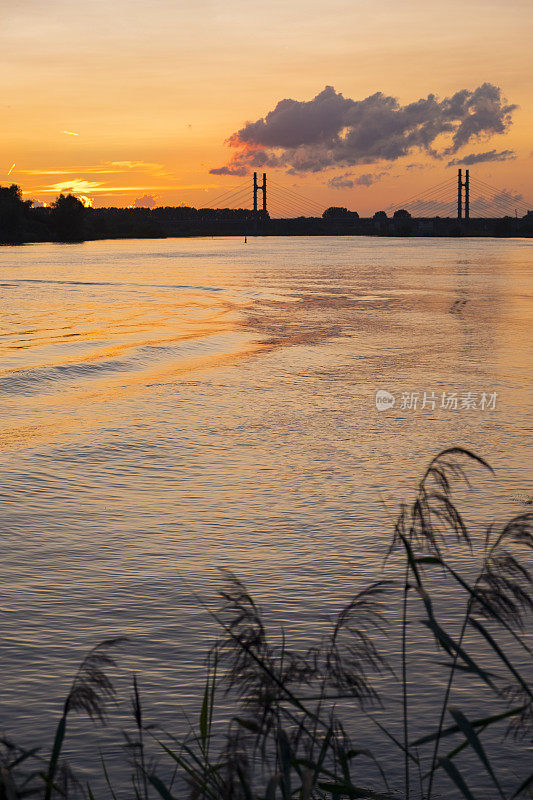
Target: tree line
68,220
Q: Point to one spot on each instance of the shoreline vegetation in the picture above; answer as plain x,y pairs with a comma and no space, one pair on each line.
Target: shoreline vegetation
290,735
68,220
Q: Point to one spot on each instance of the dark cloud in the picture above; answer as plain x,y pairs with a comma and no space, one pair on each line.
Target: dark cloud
348,181
478,158
230,170
367,179
336,131
342,181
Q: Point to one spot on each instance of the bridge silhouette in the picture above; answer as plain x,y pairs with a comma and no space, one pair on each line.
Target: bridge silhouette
455,198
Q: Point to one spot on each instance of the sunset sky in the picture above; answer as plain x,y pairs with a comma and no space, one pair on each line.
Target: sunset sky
129,101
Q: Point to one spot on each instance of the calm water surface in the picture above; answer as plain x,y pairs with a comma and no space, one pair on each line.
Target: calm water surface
174,406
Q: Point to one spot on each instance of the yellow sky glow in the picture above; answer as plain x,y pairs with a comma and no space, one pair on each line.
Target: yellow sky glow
149,93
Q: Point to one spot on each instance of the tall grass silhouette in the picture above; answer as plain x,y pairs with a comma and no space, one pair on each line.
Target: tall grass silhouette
291,732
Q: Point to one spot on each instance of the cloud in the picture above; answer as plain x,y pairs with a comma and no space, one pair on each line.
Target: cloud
126,165
74,186
347,181
499,204
478,158
50,171
508,195
335,131
107,168
39,204
342,181
146,201
229,170
367,179
79,185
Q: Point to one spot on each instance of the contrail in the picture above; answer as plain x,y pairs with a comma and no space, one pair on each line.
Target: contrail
11,168
71,133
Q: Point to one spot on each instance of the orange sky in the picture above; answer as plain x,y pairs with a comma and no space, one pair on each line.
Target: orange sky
129,99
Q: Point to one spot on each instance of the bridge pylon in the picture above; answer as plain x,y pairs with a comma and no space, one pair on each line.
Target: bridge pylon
260,188
463,206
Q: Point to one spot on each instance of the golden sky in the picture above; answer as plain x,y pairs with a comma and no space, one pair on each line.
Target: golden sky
125,99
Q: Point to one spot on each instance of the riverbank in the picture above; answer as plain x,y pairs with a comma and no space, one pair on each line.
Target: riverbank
91,224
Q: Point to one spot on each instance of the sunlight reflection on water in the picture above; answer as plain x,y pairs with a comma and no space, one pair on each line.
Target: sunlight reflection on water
168,407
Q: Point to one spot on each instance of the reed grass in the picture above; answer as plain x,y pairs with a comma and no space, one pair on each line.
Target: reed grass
290,735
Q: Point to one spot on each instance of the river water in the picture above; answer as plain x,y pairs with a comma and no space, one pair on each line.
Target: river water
170,407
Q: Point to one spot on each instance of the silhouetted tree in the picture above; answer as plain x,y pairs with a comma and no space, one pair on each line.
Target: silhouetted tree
380,222
401,214
402,222
527,224
13,214
68,218
339,213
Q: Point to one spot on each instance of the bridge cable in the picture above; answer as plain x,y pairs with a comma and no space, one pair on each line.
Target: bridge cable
221,196
229,201
297,196
421,194
281,198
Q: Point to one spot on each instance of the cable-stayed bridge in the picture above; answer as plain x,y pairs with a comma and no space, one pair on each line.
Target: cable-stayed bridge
455,197
471,198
